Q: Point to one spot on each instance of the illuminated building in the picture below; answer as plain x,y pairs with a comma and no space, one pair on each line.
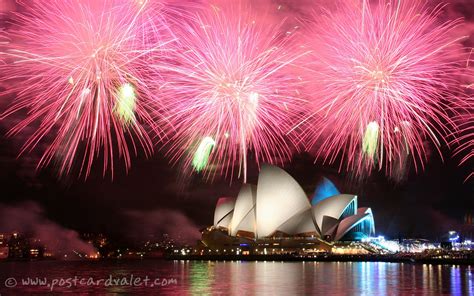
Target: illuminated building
3,253
18,246
3,246
324,190
34,253
277,214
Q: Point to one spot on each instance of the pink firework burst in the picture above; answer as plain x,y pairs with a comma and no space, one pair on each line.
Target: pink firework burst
231,90
384,82
78,68
466,140
3,42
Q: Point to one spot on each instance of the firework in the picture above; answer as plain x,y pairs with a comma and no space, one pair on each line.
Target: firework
201,156
126,103
371,138
78,69
466,138
383,83
3,42
231,81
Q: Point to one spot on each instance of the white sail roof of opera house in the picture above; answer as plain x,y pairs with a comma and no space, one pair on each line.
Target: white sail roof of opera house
223,212
299,224
334,207
243,218
363,214
279,197
278,204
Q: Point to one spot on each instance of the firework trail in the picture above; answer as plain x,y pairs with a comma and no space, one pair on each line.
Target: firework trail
201,157
384,82
231,82
78,70
3,42
464,138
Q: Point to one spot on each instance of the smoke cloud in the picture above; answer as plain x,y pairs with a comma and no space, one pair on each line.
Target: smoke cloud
144,224
28,218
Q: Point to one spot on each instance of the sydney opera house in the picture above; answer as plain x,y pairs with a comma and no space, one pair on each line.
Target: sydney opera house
277,213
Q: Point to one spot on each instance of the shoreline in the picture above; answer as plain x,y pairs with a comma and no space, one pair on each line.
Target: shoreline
281,258
331,258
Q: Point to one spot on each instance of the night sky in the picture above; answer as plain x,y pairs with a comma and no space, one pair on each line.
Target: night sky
155,197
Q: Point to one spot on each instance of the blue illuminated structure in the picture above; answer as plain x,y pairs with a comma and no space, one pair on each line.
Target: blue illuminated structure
453,236
324,190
